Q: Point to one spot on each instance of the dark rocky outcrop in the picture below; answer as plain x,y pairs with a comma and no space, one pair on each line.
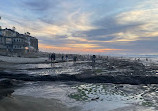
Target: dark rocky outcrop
117,79
6,86
116,71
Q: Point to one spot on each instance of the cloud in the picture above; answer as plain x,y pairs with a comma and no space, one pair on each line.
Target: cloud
109,30
146,16
89,25
40,5
132,25
51,48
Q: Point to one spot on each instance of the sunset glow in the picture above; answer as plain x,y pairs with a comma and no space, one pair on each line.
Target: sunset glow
86,25
50,48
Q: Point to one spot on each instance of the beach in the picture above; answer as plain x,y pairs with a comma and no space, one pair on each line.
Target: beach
60,96
35,84
27,103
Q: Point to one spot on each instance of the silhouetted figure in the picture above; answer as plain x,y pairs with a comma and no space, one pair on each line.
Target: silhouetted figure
93,58
75,58
49,57
53,57
62,57
66,57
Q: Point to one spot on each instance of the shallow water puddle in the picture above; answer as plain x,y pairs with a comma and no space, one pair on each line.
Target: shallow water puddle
54,68
93,97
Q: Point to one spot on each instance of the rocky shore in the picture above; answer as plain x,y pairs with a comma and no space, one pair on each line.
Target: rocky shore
117,71
117,79
6,87
126,75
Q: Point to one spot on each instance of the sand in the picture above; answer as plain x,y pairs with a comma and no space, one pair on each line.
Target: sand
27,103
21,59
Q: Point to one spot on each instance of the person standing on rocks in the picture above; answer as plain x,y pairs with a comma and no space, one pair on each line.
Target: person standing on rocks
93,58
75,58
49,57
66,57
53,57
62,57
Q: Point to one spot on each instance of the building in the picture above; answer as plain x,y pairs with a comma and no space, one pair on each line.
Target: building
19,43
14,42
32,43
2,42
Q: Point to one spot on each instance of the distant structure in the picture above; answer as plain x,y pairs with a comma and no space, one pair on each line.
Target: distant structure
0,19
14,42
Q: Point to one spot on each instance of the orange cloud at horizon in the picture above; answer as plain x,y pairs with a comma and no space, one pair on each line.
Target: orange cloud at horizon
73,50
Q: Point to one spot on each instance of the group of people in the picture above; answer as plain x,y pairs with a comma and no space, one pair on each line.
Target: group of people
52,57
62,57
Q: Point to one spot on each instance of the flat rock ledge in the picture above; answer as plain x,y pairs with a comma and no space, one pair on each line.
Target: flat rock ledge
6,87
116,79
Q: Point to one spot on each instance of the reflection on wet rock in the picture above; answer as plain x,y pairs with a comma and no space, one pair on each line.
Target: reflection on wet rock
7,86
138,94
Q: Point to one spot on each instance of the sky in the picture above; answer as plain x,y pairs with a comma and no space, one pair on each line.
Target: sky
115,27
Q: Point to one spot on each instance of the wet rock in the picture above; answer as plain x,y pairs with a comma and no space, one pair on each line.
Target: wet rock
94,99
6,87
111,71
5,83
5,92
117,79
